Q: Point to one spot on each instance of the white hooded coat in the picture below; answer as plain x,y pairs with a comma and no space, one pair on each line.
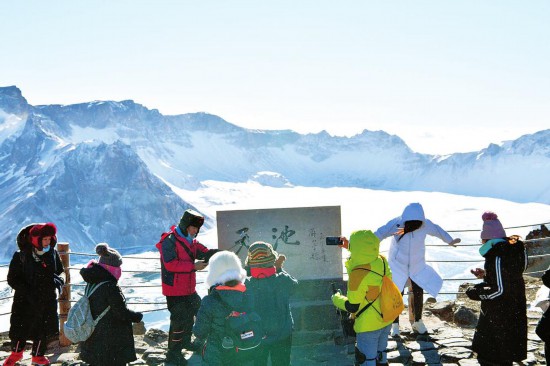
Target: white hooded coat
407,256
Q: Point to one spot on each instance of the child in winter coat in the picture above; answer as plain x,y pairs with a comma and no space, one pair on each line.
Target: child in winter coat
227,294
271,288
112,342
363,293
501,332
407,258
34,274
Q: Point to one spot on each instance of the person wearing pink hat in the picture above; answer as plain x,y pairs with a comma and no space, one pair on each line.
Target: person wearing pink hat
501,332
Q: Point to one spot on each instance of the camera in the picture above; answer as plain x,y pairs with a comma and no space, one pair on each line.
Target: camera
333,240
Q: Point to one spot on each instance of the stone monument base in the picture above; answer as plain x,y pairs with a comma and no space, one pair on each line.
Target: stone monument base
315,317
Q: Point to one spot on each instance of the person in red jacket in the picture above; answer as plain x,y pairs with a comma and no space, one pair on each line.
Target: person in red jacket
181,255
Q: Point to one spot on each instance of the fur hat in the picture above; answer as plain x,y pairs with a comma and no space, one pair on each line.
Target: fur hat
107,255
191,218
261,255
39,231
225,266
492,228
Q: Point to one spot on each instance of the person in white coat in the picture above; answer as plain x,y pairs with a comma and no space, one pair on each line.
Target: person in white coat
407,258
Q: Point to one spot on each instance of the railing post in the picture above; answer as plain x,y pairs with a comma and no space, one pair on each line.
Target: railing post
65,297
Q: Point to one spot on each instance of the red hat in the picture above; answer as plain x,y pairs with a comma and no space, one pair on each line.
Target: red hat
39,231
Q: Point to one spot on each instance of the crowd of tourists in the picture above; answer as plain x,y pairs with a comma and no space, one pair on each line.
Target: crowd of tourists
246,318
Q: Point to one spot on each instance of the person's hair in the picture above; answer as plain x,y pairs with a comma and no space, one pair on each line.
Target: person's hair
410,226
514,239
232,283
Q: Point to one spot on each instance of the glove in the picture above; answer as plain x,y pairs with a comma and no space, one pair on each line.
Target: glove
339,300
58,282
472,294
454,242
345,243
279,262
137,317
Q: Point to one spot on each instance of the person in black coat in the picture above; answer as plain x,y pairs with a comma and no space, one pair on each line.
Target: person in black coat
34,273
501,333
112,342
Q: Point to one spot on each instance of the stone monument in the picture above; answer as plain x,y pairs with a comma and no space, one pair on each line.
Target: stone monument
299,233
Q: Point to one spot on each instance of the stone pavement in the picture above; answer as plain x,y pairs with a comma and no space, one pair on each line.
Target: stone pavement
448,342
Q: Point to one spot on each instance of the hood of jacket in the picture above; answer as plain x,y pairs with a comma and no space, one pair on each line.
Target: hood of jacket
94,273
413,211
234,297
364,247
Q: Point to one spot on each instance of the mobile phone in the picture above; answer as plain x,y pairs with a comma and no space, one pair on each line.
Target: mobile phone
333,240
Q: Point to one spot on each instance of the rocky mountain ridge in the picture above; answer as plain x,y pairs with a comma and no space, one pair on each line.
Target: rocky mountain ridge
103,170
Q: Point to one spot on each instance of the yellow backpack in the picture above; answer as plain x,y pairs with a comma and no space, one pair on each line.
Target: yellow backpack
391,300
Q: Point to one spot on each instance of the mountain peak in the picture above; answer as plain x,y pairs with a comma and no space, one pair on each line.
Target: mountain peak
12,100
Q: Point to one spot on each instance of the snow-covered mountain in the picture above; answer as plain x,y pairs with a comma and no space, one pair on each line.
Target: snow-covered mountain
105,171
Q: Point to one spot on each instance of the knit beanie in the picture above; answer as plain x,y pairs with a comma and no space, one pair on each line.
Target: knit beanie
492,228
39,231
107,255
261,255
225,266
191,218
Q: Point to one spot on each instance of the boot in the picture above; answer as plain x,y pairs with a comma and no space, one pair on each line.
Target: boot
40,361
13,358
174,358
419,327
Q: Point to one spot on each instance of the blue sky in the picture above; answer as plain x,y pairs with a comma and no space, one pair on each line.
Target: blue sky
444,76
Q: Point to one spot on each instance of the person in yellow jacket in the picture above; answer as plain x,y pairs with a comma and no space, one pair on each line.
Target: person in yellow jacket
363,293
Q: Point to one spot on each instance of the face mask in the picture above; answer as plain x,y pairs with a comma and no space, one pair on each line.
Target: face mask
44,250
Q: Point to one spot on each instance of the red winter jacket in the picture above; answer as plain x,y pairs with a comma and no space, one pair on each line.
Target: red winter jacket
177,267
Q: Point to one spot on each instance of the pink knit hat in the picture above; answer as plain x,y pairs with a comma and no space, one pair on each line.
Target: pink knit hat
492,228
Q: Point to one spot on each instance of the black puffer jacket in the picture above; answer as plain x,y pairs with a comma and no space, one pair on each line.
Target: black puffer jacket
112,342
501,332
34,309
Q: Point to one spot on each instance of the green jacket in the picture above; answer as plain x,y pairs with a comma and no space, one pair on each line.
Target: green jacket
363,285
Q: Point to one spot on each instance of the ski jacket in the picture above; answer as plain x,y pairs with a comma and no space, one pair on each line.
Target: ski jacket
501,332
177,266
363,285
272,302
407,256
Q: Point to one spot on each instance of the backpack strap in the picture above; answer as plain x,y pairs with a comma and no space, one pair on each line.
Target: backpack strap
89,291
357,314
182,243
186,249
103,313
